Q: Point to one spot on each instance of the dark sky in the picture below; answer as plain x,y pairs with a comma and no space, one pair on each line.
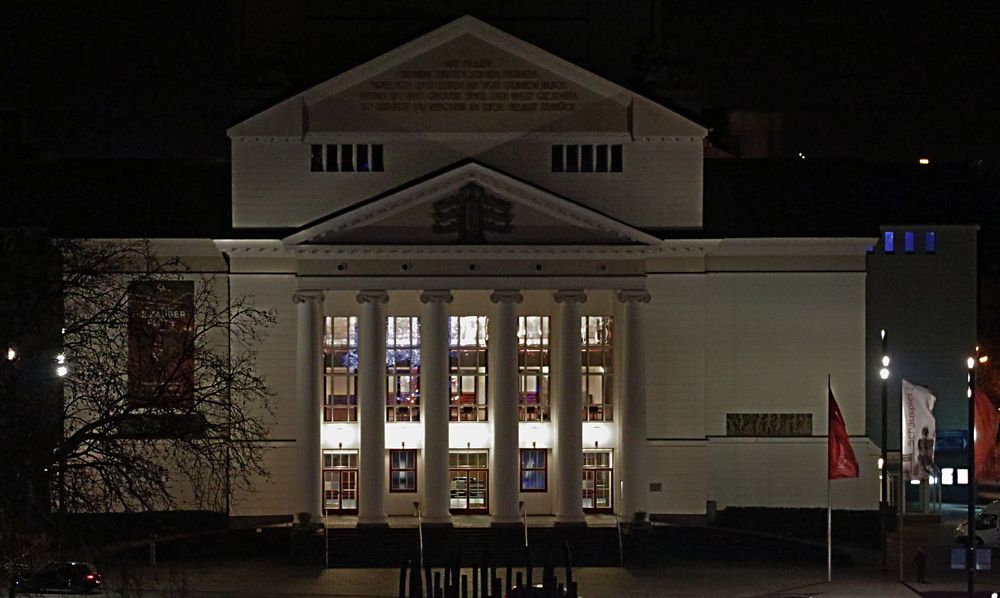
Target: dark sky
139,79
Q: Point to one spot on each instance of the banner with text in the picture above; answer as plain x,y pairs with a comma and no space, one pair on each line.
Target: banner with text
919,431
161,343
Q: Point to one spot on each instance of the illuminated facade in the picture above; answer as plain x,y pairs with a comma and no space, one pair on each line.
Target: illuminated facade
491,291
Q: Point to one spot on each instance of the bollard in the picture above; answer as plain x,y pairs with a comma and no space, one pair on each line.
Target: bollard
475,582
465,586
497,588
572,589
520,580
152,549
429,581
509,577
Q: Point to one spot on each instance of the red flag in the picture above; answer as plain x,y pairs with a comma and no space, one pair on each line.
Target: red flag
842,462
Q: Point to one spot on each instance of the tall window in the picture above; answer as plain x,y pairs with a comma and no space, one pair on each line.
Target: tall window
346,157
467,368
597,360
533,368
340,367
402,360
534,470
402,470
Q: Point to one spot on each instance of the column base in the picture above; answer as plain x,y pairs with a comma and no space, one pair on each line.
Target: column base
507,524
373,525
571,523
439,524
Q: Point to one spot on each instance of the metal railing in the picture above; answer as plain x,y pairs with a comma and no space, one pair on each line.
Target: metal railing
420,532
524,522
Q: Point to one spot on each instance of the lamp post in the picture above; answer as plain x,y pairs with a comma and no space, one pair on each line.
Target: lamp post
970,550
883,471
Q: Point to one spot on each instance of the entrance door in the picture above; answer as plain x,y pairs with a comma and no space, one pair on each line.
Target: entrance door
598,489
340,482
469,482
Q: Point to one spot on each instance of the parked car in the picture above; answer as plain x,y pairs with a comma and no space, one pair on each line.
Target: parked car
987,527
66,576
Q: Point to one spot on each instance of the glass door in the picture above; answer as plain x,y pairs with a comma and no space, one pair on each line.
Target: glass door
598,489
340,482
469,482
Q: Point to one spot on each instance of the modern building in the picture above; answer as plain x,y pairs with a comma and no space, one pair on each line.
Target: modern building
493,293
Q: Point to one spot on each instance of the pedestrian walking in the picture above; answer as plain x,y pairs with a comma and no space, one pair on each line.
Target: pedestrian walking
920,560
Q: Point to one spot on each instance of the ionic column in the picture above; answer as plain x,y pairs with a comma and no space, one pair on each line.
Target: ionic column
632,421
568,407
309,393
371,405
504,483
434,394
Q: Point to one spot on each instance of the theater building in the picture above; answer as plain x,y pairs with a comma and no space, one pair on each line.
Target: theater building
494,293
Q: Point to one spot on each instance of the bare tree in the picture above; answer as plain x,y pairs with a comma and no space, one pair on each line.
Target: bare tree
196,421
90,422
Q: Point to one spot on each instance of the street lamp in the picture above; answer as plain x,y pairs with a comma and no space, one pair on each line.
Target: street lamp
11,354
883,477
970,550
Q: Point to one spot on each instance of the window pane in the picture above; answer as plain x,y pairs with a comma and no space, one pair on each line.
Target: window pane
533,480
586,158
930,242
331,157
347,158
377,158
908,241
616,158
602,158
316,158
889,242
572,155
557,158
363,165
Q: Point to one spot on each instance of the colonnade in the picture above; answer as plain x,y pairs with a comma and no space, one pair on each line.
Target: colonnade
567,405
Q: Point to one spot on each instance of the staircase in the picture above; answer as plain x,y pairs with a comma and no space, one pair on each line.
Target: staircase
391,547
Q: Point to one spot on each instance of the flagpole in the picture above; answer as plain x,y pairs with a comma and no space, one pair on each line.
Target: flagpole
829,512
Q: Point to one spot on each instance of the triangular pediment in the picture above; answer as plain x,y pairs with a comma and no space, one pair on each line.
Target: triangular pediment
466,76
469,203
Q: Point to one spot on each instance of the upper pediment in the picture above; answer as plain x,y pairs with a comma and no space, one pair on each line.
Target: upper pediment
469,204
466,77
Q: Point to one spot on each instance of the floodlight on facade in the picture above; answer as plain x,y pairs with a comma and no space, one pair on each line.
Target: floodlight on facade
60,359
885,361
884,373
11,354
61,371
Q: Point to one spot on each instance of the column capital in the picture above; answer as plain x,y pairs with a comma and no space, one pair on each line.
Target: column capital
570,296
308,296
506,297
634,295
373,297
436,296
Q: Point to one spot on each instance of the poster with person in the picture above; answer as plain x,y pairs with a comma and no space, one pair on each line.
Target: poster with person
919,431
160,343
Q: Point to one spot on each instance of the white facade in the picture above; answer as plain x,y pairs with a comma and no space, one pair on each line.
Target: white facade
584,172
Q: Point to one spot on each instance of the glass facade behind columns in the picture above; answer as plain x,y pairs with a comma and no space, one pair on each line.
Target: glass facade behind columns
340,369
597,360
467,368
533,367
402,362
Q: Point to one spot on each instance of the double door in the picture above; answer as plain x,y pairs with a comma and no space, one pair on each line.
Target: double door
469,482
340,482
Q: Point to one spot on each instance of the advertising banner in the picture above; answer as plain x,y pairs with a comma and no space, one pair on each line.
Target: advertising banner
987,439
161,343
919,431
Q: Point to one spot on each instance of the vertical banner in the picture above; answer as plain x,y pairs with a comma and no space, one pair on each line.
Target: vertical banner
160,343
919,430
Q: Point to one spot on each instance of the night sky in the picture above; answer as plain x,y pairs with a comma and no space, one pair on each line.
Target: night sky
165,80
